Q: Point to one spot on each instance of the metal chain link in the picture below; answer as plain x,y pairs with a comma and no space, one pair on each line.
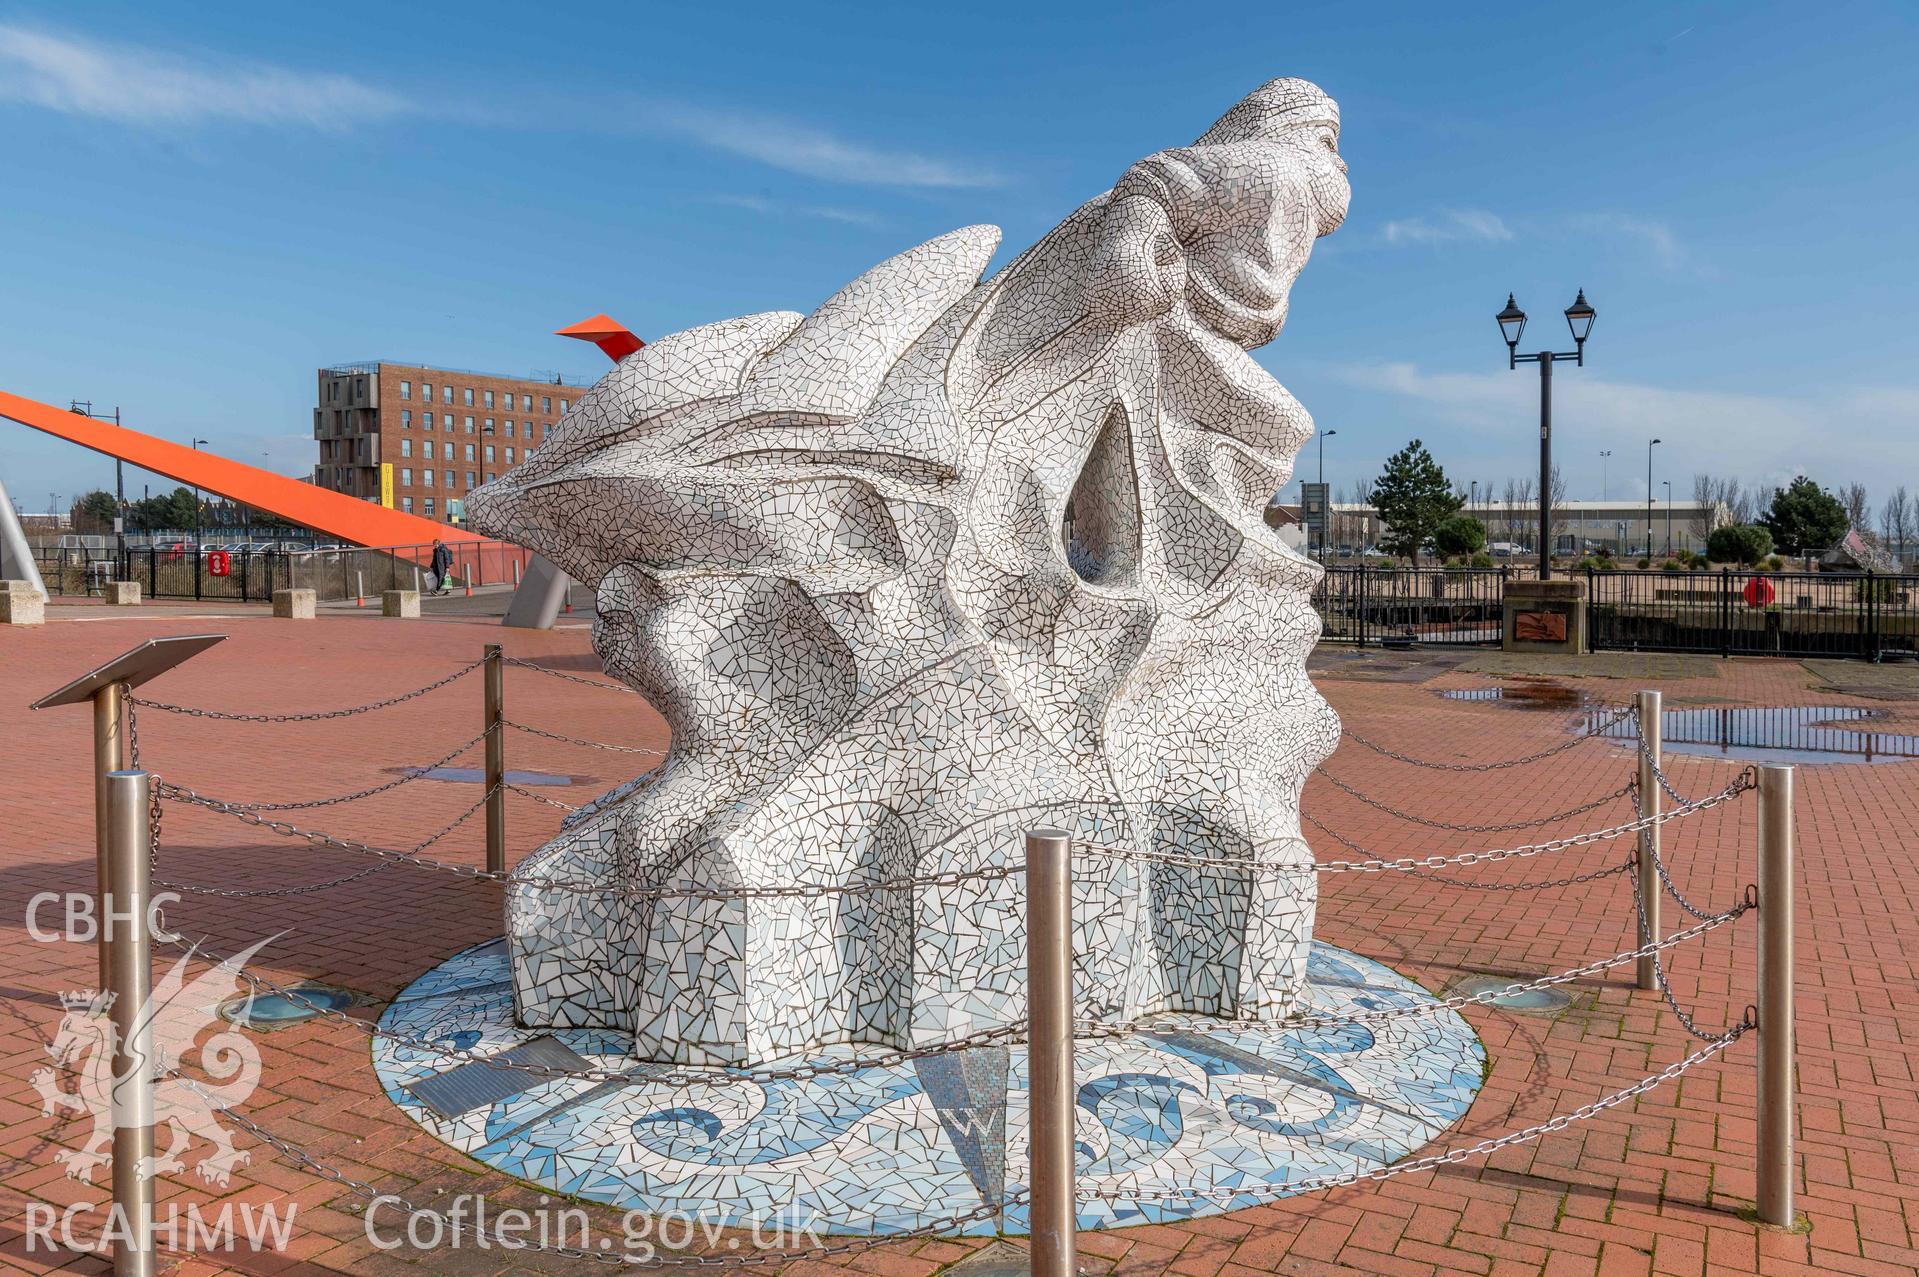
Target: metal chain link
951,878
589,744
1375,803
200,889
1547,885
1434,1161
1590,733
665,1075
523,792
1659,861
228,716
1739,786
1645,752
602,684
412,774
451,1227
1659,968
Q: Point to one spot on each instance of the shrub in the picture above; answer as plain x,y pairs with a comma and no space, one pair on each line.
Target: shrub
1644,563
1460,535
1742,543
1775,564
1482,560
1699,560
1672,565
1587,564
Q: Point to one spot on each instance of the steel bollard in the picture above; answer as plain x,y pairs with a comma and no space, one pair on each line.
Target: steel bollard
123,923
1053,1212
1776,1096
1650,760
109,756
495,759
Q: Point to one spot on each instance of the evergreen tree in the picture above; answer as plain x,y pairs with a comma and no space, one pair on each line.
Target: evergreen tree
1413,498
1804,518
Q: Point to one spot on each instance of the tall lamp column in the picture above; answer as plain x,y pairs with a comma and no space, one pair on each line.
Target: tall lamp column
1512,322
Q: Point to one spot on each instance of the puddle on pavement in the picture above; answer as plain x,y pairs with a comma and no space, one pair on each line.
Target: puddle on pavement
477,776
276,1010
1531,694
1776,734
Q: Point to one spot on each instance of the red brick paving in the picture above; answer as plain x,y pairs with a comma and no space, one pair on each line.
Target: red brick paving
1657,1186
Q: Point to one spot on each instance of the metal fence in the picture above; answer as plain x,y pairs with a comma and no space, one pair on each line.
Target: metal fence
178,571
1735,613
1395,607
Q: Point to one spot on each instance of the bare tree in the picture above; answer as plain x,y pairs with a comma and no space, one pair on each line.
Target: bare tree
1743,502
1556,509
1896,523
1858,508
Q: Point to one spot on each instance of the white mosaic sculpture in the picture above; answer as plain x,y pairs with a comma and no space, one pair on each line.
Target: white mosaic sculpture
948,559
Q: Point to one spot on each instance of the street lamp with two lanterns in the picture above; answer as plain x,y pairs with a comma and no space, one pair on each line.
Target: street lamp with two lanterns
1512,322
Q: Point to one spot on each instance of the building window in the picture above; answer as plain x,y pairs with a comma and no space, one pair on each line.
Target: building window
489,452
429,507
509,428
426,391
564,405
466,393
447,449
469,425
426,478
406,505
469,478
406,390
546,403
446,394
487,396
509,456
406,447
489,425
489,476
406,476
469,452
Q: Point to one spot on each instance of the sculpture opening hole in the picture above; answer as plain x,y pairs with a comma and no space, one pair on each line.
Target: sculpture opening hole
1101,524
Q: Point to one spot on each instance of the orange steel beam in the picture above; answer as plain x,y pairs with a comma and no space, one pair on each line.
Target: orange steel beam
334,513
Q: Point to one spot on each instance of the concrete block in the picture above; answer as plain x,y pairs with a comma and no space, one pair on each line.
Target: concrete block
21,604
123,593
294,605
1545,616
402,603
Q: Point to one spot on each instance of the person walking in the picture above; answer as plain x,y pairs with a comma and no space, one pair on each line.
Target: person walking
442,565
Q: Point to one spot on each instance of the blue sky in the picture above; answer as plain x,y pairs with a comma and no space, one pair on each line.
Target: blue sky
206,202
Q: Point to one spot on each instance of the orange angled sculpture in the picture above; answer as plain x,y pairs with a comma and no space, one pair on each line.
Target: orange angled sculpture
333,513
613,338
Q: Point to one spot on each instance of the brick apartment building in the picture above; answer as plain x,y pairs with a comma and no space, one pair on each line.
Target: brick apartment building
444,431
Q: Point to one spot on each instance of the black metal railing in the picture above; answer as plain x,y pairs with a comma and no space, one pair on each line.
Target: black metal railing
1745,613
1394,607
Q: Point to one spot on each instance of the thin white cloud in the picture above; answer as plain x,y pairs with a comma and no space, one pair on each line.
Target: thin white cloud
1838,435
1654,234
814,152
1448,227
766,206
145,87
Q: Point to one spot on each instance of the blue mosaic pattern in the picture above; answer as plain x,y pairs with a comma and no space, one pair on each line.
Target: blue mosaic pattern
888,1149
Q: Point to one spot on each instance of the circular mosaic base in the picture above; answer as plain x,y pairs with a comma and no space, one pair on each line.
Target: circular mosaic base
886,1149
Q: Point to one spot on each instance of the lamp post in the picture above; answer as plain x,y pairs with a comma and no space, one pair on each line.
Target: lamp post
1325,506
1649,447
1667,485
1512,322
1605,491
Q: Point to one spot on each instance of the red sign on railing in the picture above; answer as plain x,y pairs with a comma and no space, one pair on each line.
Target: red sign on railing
219,562
1758,591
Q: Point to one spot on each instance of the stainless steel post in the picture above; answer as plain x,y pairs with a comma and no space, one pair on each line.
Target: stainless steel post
1650,761
1776,1102
123,922
109,755
1053,1212
495,759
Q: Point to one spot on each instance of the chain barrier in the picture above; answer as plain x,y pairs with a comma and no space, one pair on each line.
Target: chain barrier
201,889
316,716
589,744
1659,773
1436,1160
1659,861
1546,885
1740,785
412,774
640,1072
449,1226
1375,803
1589,733
548,670
524,792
